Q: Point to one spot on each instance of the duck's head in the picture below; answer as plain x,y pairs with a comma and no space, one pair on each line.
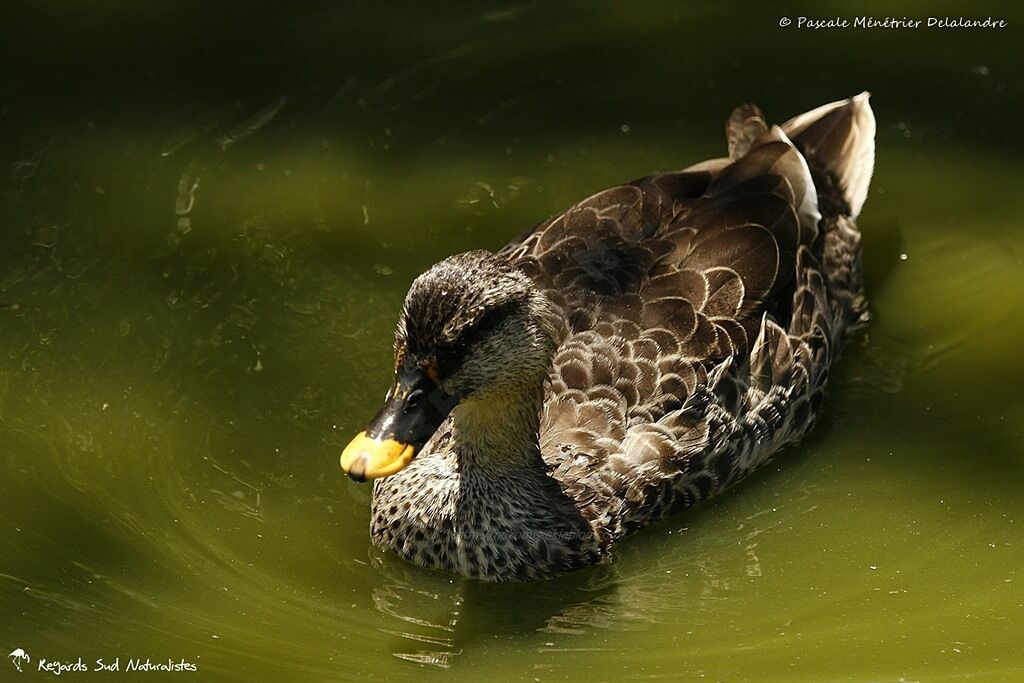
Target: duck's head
472,328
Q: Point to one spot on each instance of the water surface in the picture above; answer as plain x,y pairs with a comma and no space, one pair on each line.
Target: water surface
210,218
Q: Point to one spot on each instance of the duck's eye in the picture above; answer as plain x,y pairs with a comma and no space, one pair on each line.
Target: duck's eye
491,319
488,322
414,399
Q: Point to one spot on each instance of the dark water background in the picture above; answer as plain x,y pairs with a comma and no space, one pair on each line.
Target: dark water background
209,215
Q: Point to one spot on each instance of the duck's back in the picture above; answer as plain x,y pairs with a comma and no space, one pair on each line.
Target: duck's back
699,312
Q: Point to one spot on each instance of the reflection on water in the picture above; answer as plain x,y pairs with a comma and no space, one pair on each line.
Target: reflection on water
201,262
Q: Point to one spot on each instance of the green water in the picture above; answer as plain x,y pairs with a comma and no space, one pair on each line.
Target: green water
178,375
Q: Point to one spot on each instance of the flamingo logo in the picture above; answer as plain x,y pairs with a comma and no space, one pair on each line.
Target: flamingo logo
18,656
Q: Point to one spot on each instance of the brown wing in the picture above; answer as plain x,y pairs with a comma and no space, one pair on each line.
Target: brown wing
658,282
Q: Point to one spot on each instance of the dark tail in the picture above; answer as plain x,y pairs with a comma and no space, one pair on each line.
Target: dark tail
838,141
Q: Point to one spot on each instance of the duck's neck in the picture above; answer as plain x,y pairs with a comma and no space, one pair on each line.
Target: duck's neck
485,506
497,434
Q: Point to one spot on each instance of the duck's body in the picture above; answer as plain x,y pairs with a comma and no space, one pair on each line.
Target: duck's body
639,353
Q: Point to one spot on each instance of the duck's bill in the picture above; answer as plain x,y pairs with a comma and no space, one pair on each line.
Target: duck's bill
414,409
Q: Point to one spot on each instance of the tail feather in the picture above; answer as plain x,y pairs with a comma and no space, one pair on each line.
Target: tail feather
839,138
742,128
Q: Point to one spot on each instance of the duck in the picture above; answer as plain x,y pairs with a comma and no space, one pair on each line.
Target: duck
638,354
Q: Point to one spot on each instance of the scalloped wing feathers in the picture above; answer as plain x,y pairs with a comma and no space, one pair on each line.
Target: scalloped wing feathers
698,313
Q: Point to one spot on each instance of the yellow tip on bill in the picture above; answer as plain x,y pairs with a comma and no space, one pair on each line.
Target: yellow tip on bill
365,458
